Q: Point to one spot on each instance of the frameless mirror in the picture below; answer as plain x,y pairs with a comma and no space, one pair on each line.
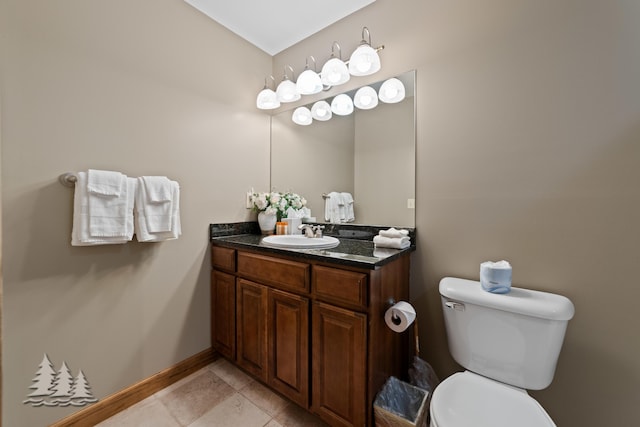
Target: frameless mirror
369,154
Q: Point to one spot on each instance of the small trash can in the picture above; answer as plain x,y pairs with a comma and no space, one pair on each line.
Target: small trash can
399,404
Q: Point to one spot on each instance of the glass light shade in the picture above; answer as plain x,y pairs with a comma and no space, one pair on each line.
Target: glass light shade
321,111
391,91
364,61
308,83
342,105
366,98
334,72
302,116
287,91
267,100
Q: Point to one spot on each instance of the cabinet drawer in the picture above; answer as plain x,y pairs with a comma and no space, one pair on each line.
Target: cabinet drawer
277,272
340,286
223,258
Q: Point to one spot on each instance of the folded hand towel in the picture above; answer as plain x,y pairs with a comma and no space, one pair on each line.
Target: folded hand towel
108,203
143,234
157,214
158,188
80,234
106,183
347,200
392,232
389,242
332,207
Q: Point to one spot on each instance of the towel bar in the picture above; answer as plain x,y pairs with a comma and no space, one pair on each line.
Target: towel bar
68,179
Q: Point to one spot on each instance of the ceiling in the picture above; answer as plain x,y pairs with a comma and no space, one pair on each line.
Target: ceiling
277,24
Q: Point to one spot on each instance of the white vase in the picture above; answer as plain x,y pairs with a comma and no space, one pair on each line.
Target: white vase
267,222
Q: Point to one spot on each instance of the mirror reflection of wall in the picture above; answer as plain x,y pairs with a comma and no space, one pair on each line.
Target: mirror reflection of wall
370,154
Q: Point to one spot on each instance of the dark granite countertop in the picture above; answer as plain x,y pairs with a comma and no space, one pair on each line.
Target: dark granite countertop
355,252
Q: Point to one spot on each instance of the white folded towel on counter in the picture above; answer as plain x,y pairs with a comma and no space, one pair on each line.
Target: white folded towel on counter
143,233
115,224
391,242
392,232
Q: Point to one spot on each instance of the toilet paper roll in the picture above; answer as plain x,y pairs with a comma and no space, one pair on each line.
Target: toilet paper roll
400,316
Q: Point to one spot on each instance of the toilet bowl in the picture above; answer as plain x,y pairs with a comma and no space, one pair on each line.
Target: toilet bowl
466,399
507,343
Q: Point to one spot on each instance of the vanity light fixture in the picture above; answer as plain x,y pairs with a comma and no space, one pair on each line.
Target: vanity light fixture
287,91
321,111
342,105
334,71
364,60
267,98
302,116
309,81
366,98
391,91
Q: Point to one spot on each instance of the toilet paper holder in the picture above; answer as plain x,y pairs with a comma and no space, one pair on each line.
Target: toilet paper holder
394,318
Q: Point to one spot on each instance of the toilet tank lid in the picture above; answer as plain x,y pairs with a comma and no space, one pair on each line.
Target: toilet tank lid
527,302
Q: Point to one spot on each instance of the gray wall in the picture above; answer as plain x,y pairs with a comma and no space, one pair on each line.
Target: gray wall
528,130
145,87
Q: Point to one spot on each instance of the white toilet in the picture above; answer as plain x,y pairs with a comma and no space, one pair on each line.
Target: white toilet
508,343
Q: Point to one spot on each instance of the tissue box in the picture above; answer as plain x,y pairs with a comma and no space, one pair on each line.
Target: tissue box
495,277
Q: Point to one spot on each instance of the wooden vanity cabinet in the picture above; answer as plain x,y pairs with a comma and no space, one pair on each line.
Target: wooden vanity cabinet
339,365
288,345
251,328
312,331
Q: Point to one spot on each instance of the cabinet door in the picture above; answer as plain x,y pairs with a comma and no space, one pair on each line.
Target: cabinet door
223,313
251,305
339,342
288,328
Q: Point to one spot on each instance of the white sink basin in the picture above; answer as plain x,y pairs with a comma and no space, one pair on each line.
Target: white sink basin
299,241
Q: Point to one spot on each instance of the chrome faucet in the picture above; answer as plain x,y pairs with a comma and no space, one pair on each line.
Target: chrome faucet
307,229
311,230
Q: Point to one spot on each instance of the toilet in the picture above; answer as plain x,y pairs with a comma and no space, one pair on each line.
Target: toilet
508,343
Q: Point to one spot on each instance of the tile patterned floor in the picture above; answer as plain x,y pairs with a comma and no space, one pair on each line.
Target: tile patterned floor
218,395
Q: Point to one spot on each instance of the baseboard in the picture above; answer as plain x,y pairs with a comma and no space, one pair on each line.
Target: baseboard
133,394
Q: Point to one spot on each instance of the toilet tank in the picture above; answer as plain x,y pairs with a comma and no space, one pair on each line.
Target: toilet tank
514,338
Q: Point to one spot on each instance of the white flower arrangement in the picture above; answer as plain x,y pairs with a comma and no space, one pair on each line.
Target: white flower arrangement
275,203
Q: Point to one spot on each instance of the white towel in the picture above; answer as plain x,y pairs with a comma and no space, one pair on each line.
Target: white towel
158,188
347,201
106,183
156,200
142,231
392,232
108,199
332,207
391,242
80,234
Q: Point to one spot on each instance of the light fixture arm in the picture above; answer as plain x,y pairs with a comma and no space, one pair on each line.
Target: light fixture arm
333,54
286,77
266,86
315,65
364,41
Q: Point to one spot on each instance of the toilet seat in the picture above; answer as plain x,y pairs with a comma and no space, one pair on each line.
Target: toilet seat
466,399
